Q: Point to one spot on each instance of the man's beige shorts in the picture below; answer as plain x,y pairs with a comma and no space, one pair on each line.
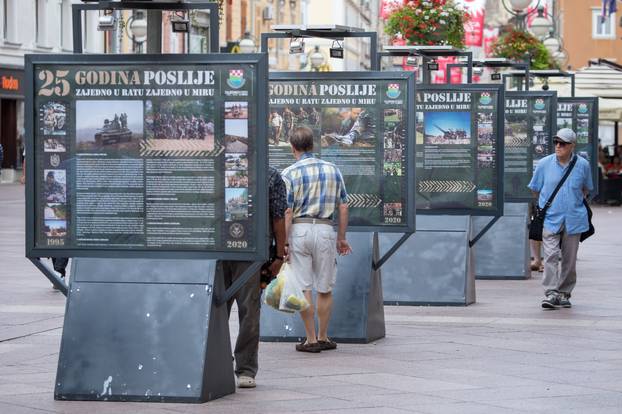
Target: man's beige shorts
313,256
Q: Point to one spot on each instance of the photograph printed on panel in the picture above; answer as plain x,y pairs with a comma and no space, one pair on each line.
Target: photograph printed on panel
55,186
447,128
54,115
109,125
181,125
236,135
348,127
283,121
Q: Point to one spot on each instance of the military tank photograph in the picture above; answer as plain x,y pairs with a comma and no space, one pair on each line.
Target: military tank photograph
109,125
114,131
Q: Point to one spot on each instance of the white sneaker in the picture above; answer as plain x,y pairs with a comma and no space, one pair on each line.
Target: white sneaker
246,382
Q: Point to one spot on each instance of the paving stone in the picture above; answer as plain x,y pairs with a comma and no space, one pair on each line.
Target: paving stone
500,355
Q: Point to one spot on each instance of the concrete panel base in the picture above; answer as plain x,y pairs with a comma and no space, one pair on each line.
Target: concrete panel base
358,313
144,330
503,252
433,267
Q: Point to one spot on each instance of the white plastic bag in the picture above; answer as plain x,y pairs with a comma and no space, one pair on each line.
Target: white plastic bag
292,296
272,292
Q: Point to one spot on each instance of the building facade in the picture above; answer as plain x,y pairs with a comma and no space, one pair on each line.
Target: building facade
585,36
251,18
27,26
354,13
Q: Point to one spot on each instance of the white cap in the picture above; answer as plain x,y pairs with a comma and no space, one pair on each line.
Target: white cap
566,135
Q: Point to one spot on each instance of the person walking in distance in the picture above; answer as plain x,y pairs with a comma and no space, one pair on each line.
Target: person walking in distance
316,195
565,219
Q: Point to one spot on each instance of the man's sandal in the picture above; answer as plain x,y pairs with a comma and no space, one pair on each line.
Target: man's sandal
307,347
327,345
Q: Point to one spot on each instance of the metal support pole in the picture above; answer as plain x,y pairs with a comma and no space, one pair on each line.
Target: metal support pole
377,265
154,31
50,274
373,51
239,282
484,231
76,21
426,72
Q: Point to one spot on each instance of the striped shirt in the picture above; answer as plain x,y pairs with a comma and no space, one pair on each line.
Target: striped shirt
314,187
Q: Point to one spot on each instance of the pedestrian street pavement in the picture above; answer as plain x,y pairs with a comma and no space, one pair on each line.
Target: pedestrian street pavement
501,355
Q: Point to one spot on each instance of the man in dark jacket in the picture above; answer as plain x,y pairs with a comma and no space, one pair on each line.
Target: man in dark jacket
248,297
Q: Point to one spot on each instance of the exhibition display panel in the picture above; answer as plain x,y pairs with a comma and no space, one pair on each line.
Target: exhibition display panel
581,115
360,123
529,128
459,153
145,155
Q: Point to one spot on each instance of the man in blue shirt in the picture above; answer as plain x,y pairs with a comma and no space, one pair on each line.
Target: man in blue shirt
565,219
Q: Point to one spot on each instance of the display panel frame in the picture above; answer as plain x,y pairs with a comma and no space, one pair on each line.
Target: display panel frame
551,120
593,137
409,225
256,62
497,209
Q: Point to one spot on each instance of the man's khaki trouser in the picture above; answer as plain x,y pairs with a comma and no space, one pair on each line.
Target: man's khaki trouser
556,280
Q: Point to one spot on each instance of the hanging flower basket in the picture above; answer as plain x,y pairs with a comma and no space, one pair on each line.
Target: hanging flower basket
518,45
431,22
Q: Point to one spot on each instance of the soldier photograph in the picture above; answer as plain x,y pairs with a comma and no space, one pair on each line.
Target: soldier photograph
354,127
54,116
109,125
54,187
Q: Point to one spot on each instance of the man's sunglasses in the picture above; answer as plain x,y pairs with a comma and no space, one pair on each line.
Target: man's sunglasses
560,143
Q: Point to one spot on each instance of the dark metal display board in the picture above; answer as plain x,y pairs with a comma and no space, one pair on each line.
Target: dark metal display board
211,7
146,156
529,128
145,330
459,151
435,266
360,124
581,115
358,314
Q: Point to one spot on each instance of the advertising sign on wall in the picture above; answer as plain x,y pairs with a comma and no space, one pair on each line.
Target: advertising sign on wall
474,23
129,157
459,156
360,124
529,128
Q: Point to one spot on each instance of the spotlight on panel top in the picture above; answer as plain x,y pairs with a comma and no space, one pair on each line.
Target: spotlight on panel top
296,46
180,26
336,50
106,23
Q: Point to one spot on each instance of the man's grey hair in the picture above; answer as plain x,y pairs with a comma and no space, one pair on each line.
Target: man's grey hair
302,139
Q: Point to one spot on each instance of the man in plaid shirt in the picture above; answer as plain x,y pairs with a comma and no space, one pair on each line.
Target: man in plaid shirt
316,194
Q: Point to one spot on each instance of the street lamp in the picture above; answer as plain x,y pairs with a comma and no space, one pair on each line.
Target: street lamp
519,5
247,44
136,28
517,9
540,25
561,57
552,44
316,58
